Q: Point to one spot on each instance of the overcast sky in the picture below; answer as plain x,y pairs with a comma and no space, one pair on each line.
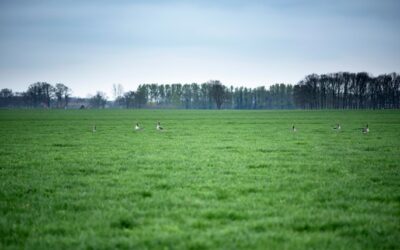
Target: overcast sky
91,45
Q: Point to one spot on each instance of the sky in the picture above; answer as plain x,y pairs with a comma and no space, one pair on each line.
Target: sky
90,45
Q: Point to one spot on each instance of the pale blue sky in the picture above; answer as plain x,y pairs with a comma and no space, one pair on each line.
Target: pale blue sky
90,45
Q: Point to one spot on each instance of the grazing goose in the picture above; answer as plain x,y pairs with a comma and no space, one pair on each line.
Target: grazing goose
338,127
365,130
159,126
294,128
137,127
94,128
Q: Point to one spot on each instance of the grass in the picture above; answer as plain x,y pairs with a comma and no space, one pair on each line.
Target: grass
211,180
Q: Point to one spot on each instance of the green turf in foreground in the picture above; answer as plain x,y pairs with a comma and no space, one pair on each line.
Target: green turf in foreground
212,179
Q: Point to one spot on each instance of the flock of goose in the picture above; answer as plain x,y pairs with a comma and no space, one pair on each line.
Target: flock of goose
137,127
158,127
364,130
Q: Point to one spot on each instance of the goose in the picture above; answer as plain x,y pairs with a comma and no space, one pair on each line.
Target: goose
94,128
159,126
294,128
338,127
365,130
137,127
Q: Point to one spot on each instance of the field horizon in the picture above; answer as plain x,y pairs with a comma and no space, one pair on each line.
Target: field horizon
212,179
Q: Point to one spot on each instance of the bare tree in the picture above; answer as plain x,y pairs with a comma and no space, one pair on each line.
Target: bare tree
118,91
40,94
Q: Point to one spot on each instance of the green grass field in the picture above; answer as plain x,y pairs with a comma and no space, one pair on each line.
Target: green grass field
211,180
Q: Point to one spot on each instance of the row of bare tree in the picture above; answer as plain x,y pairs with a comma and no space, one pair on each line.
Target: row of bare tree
209,95
342,90
39,94
45,95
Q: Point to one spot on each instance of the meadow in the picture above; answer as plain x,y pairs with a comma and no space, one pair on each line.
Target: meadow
210,180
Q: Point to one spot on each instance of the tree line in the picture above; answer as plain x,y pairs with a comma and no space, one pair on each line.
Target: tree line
40,94
209,95
342,90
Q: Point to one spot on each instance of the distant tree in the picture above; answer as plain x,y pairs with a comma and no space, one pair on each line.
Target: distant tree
6,97
62,92
288,97
161,93
141,96
195,89
168,94
67,95
129,99
238,98
154,94
99,100
348,91
6,93
244,98
40,94
231,97
228,102
187,96
362,79
120,101
346,78
217,92
396,90
206,102
59,93
302,95
118,95
118,90
176,91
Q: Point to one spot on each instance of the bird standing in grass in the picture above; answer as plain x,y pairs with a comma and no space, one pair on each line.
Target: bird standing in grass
338,127
294,128
137,127
158,127
94,128
365,130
